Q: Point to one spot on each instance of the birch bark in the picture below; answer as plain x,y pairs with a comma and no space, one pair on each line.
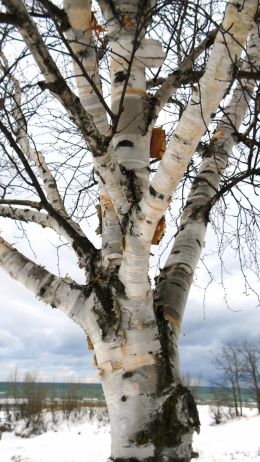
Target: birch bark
81,40
228,45
176,278
135,334
86,68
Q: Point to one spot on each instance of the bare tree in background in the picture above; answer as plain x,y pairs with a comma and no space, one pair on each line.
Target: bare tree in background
85,90
228,362
250,359
239,365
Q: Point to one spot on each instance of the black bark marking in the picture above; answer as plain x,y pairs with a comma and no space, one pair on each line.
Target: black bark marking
152,191
125,143
45,286
120,77
178,285
127,375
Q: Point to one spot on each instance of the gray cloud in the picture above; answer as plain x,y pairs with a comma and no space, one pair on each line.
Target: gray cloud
205,330
34,336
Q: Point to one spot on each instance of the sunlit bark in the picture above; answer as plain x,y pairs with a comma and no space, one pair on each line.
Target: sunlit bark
193,124
133,330
54,80
176,278
81,41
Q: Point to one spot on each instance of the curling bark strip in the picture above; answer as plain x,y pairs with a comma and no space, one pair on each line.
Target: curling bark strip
204,101
176,278
54,80
81,41
228,45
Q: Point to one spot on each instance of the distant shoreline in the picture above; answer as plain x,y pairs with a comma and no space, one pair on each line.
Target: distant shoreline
93,392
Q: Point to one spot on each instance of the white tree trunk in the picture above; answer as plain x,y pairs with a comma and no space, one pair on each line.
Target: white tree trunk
134,332
192,126
175,280
152,418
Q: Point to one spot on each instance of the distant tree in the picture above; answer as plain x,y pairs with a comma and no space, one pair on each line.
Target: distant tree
250,359
228,362
82,89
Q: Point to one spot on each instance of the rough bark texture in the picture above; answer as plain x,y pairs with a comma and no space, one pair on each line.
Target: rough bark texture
132,329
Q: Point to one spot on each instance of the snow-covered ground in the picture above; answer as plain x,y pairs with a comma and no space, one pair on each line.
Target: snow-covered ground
236,440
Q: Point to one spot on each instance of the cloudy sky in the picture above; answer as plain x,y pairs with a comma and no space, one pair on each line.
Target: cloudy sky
34,336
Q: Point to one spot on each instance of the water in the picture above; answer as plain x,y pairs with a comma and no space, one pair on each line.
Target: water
204,395
94,391
89,391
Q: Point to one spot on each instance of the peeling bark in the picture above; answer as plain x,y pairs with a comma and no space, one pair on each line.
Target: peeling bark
132,330
194,121
54,80
175,279
86,68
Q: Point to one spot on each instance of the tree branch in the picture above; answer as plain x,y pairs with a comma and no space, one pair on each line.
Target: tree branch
204,102
230,184
26,203
23,140
249,75
71,298
175,279
11,19
56,12
54,80
182,75
85,250
31,216
81,46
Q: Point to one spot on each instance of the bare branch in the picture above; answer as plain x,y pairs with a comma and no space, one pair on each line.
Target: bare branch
249,75
11,19
69,297
54,80
26,203
182,75
81,244
30,216
176,278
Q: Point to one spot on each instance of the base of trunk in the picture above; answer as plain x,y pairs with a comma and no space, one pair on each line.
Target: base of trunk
194,455
169,432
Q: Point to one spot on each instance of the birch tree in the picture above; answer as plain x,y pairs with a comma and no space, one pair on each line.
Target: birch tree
85,91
